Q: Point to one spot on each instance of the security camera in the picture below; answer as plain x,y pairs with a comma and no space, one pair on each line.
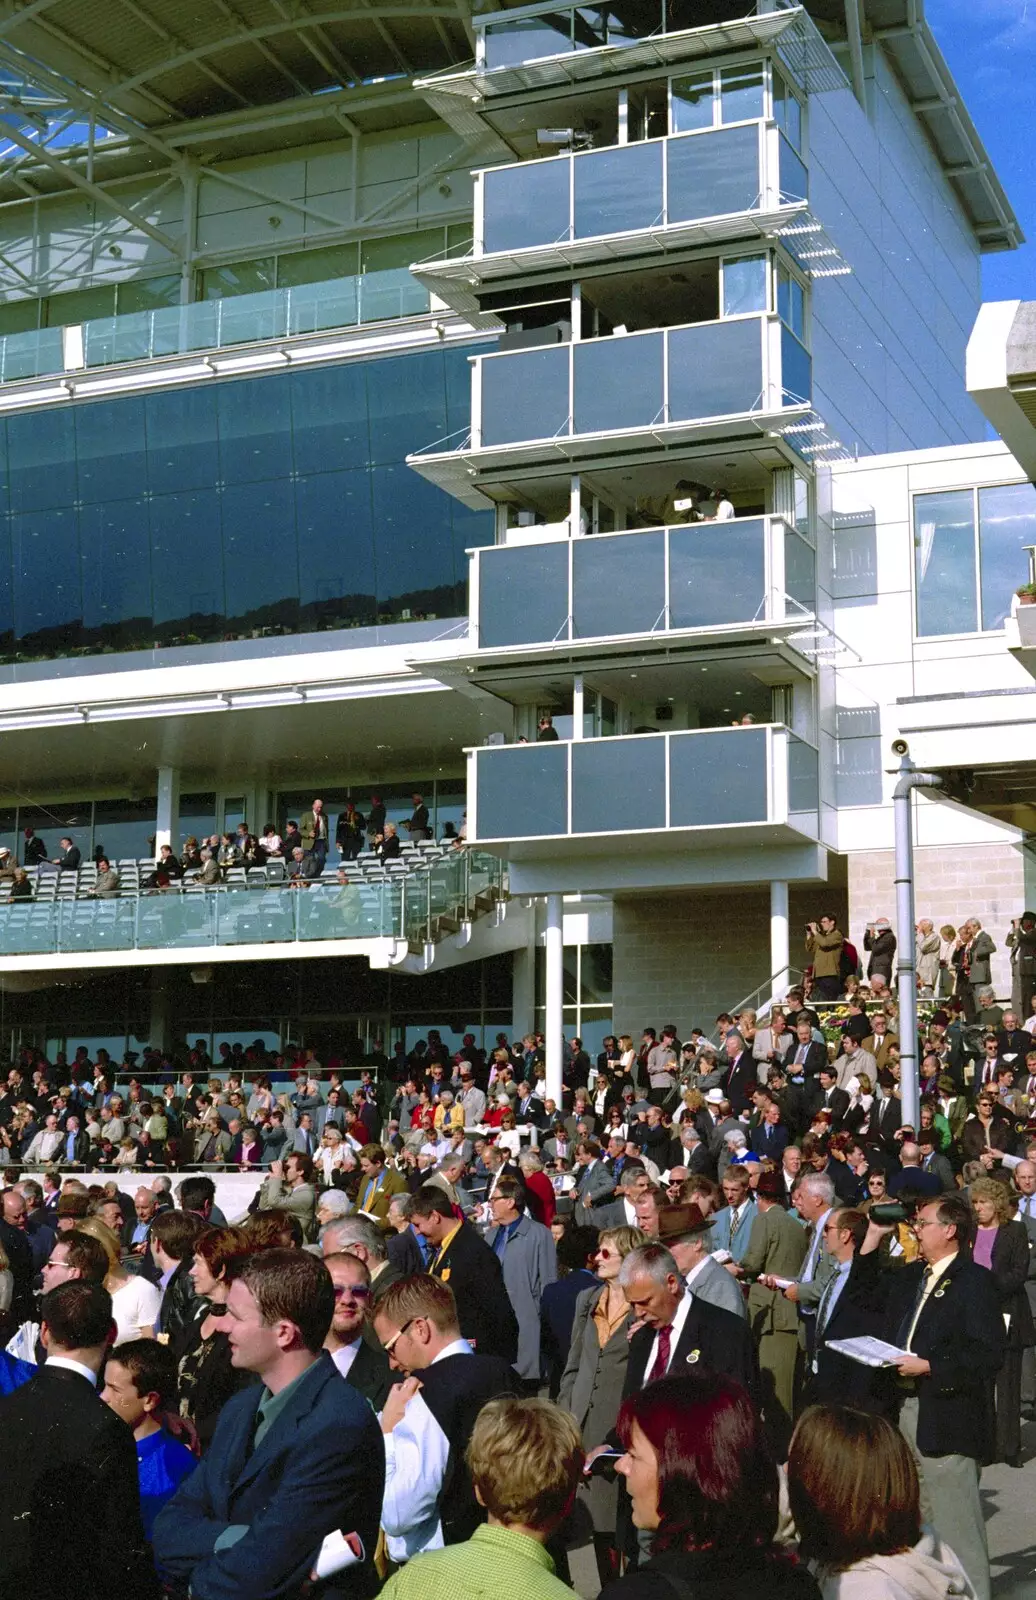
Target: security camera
900,747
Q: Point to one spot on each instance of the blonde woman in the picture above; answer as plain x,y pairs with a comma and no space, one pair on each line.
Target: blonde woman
135,1301
591,1384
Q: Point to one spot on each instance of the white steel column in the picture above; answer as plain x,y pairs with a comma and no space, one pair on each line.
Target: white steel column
167,821
780,949
554,1026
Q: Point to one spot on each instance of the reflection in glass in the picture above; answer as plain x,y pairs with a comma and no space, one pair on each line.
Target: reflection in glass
796,370
618,585
48,606
525,395
618,383
717,573
691,103
803,776
715,370
618,190
526,205
800,571
618,785
745,285
523,595
522,791
944,562
791,301
792,175
787,111
718,778
1006,522
741,93
116,565
714,174
528,39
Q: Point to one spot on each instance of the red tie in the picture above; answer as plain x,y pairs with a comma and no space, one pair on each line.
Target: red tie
665,1339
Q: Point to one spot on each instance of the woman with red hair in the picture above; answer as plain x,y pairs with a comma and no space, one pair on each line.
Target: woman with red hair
702,1484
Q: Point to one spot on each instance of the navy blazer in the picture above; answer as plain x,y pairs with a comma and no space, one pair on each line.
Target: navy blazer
319,1467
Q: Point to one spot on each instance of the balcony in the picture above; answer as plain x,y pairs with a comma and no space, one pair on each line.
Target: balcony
596,398
660,794
211,325
270,921
750,576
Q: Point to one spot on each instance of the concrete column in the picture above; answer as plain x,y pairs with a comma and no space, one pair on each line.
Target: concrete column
780,951
554,1026
167,829
523,991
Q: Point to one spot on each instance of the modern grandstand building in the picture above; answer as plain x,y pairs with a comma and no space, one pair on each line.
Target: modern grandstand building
364,372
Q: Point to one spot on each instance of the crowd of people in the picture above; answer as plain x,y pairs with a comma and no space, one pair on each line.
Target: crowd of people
719,1315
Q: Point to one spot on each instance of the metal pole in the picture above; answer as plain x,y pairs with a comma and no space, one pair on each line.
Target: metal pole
554,1027
780,952
909,780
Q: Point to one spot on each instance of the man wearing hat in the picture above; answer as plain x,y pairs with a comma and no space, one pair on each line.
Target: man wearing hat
881,942
687,1234
776,1250
7,865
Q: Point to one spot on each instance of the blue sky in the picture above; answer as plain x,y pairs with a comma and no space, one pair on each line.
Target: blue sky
991,49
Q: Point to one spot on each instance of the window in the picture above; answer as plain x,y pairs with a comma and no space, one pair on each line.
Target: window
741,93
691,103
787,112
969,556
744,285
791,301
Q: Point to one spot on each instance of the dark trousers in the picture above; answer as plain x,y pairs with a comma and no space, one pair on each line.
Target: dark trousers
1009,1407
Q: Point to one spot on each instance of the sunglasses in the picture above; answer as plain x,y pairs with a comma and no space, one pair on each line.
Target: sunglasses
352,1291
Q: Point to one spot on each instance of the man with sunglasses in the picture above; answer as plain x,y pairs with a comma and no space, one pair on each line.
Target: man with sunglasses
350,1342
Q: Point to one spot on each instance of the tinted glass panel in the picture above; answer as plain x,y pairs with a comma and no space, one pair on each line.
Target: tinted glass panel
717,573
525,396
692,103
744,285
794,179
618,383
800,571
618,190
740,93
618,785
803,776
522,791
527,40
715,370
523,595
717,778
232,509
944,560
619,585
714,174
1006,522
526,205
796,370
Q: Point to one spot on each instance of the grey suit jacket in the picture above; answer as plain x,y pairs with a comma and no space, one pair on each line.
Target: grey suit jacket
595,1191
529,1264
718,1287
591,1384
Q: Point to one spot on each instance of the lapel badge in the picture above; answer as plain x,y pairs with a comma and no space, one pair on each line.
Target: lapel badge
694,1356
938,1294
444,1276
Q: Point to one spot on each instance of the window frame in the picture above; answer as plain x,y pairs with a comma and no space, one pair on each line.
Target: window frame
975,490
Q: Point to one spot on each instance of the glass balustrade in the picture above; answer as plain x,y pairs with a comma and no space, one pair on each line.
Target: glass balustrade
629,382
694,575
31,355
705,778
656,183
200,920
239,319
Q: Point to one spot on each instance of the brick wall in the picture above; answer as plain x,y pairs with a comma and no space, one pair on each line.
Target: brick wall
986,881
684,957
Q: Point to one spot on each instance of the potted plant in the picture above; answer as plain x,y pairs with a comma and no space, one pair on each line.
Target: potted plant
1026,594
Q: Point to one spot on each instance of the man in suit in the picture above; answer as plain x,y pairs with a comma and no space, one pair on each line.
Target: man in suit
428,1418
14,1238
808,1056
595,1182
740,1074
687,1234
770,1139
776,1249
814,1197
528,1260
823,1094
932,1159
75,1150
879,1041
378,1184
69,857
171,1245
464,1261
886,1116
290,1186
945,1312
293,1459
363,1239
70,1525
732,1224
970,958
359,1358
852,1306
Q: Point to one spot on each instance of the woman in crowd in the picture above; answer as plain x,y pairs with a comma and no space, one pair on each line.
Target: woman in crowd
855,1499
207,1379
135,1301
591,1384
331,1154
1002,1246
702,1485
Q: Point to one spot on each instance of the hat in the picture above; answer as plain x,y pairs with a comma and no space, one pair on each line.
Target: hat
4,850
771,1186
680,1222
946,1084
714,1097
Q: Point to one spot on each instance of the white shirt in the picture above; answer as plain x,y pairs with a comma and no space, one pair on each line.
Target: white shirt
682,1312
809,1266
416,1454
74,1366
135,1306
344,1357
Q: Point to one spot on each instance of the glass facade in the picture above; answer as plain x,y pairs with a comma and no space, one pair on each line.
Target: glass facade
262,506
969,556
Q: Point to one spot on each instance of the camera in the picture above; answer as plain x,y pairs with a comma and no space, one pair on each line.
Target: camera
900,747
